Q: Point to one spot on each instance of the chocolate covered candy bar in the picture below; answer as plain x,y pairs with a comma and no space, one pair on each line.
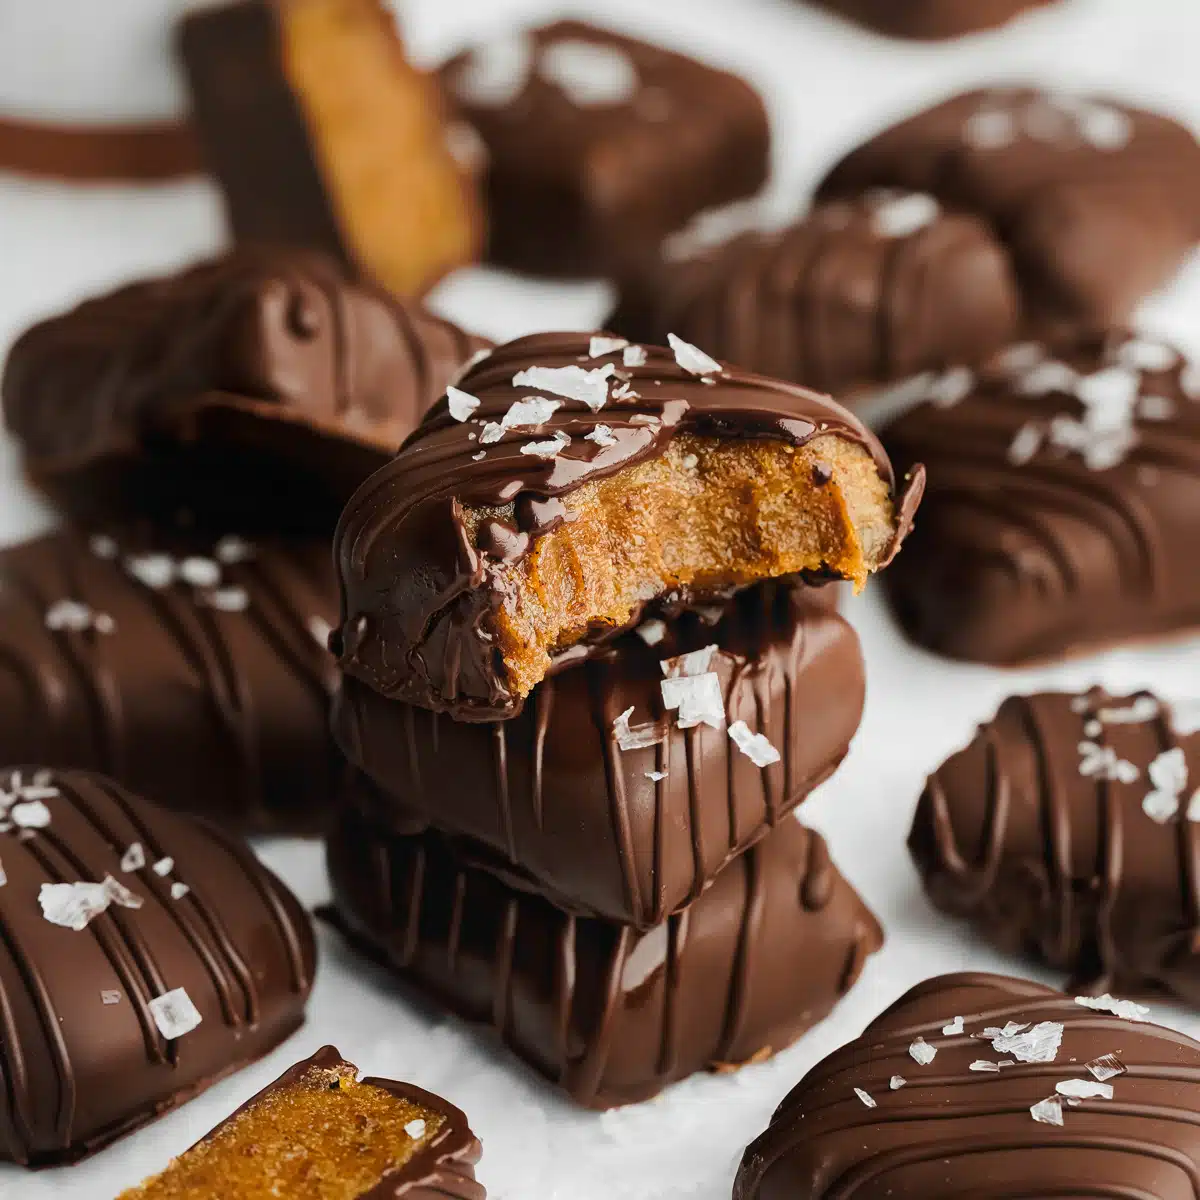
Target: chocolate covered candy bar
143,957
1098,202
859,293
598,145
610,1015
259,371
321,1132
1066,831
193,672
599,796
987,1087
321,134
568,482
1064,503
930,20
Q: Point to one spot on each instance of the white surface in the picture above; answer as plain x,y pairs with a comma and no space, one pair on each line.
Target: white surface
827,85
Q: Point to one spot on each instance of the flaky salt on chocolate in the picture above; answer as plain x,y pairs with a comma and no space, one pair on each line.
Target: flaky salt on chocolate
1107,894
954,1130
321,1132
1098,202
466,573
857,294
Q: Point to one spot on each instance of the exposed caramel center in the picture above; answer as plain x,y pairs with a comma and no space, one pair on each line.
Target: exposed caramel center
708,513
401,200
325,1137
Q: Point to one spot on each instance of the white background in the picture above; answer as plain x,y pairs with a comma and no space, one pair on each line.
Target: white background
827,85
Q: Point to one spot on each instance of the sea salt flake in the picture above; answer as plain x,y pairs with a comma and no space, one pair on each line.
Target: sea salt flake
1127,1010
652,632
29,814
1048,1112
493,431
1104,127
164,866
496,73
174,1014
600,345
415,1128
1084,1089
903,215
1048,376
634,356
103,623
695,662
922,1052
983,1064
1161,807
231,550
1185,717
572,383
1141,354
120,895
866,1098
602,435
954,1028
1193,808
1093,729
108,997
697,700
134,859
591,75
547,448
1156,408
754,746
103,546
655,776
155,571
1143,709
691,358
461,404
1169,775
1108,1066
68,615
1115,389
635,737
200,572
950,387
73,905
530,412
990,129
1026,443
1101,762
479,457
179,890
897,1082
1037,1045
228,599
624,391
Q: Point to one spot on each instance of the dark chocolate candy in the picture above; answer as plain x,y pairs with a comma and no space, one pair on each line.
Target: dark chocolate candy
419,599
1072,1102
598,145
265,359
608,1014
1064,831
1098,202
1064,502
176,925
555,804
92,153
194,673
857,294
442,1168
930,20
321,134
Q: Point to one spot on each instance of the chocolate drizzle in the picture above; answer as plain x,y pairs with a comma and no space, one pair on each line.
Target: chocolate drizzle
416,593
551,802
1039,834
610,1015
216,710
78,1072
950,1131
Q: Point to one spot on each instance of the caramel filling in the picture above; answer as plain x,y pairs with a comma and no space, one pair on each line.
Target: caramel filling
324,1137
401,200
708,514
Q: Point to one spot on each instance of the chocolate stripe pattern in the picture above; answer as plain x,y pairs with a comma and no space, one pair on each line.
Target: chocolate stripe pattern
859,293
191,671
610,1015
1067,830
1065,488
993,1088
84,1056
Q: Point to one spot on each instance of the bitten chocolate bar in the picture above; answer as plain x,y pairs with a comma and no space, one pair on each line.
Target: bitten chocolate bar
597,795
610,1015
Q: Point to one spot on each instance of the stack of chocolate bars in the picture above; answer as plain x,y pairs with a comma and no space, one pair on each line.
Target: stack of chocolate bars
586,683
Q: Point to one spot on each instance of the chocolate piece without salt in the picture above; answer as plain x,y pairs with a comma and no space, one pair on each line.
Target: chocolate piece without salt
930,20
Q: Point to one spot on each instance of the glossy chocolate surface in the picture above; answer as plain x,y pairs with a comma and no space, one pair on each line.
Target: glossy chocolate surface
417,597
859,293
610,1015
191,671
265,359
83,1055
1098,202
598,145
1063,504
1064,832
552,802
874,1122
930,19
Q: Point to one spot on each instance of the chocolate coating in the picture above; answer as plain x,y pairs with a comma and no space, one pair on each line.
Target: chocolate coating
1063,501
96,153
1059,831
1098,202
857,294
83,1058
951,1132
417,598
263,360
595,155
610,1015
209,696
550,801
930,20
